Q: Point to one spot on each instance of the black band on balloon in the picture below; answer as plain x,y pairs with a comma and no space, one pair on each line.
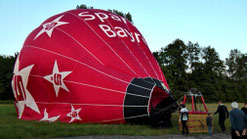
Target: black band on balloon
158,84
136,101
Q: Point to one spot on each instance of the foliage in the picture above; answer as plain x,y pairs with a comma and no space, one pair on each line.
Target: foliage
83,6
173,63
125,15
120,13
192,66
6,73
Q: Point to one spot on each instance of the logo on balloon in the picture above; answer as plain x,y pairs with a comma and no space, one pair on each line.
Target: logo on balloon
74,114
49,26
57,78
19,88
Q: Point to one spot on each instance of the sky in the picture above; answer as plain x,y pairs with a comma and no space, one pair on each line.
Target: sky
221,24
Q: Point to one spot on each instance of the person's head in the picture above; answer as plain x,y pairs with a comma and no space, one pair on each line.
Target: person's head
245,103
220,102
234,105
209,113
183,105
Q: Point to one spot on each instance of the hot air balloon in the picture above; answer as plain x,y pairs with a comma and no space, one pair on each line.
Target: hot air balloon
89,66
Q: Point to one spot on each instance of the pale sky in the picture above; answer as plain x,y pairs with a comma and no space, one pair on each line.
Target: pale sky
222,24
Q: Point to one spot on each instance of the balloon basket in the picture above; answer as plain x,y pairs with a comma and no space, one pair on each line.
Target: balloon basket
197,113
196,123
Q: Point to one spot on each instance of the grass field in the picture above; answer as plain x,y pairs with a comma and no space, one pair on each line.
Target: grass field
11,127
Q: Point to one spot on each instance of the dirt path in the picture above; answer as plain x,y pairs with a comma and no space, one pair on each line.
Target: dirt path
170,136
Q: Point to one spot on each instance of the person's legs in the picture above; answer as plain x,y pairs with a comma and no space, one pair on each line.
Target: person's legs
222,124
209,130
183,125
187,131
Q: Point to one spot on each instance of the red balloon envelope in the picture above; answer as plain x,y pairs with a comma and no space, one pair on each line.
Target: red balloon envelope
88,66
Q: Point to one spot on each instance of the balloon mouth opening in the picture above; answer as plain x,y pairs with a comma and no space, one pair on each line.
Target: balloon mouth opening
161,106
161,102
157,96
147,100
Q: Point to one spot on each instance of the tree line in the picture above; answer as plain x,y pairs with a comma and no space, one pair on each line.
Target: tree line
190,65
6,73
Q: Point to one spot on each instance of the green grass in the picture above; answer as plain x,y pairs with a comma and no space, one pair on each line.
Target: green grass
6,101
11,127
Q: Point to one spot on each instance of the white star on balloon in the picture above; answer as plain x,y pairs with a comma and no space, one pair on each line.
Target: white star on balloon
74,114
28,100
56,78
51,119
49,27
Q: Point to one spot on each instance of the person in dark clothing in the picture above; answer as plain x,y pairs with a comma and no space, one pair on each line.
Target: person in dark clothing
244,109
238,122
209,122
184,118
223,114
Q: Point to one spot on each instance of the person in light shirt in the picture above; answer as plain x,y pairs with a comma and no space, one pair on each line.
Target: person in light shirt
184,118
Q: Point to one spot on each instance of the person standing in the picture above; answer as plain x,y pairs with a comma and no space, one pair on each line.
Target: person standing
209,122
244,109
184,118
238,122
223,114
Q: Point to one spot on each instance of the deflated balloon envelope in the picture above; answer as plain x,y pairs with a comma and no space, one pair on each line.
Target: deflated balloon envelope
88,66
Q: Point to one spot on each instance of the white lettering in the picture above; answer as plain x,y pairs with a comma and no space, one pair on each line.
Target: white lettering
107,30
124,20
101,16
120,32
115,17
137,37
131,35
83,14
